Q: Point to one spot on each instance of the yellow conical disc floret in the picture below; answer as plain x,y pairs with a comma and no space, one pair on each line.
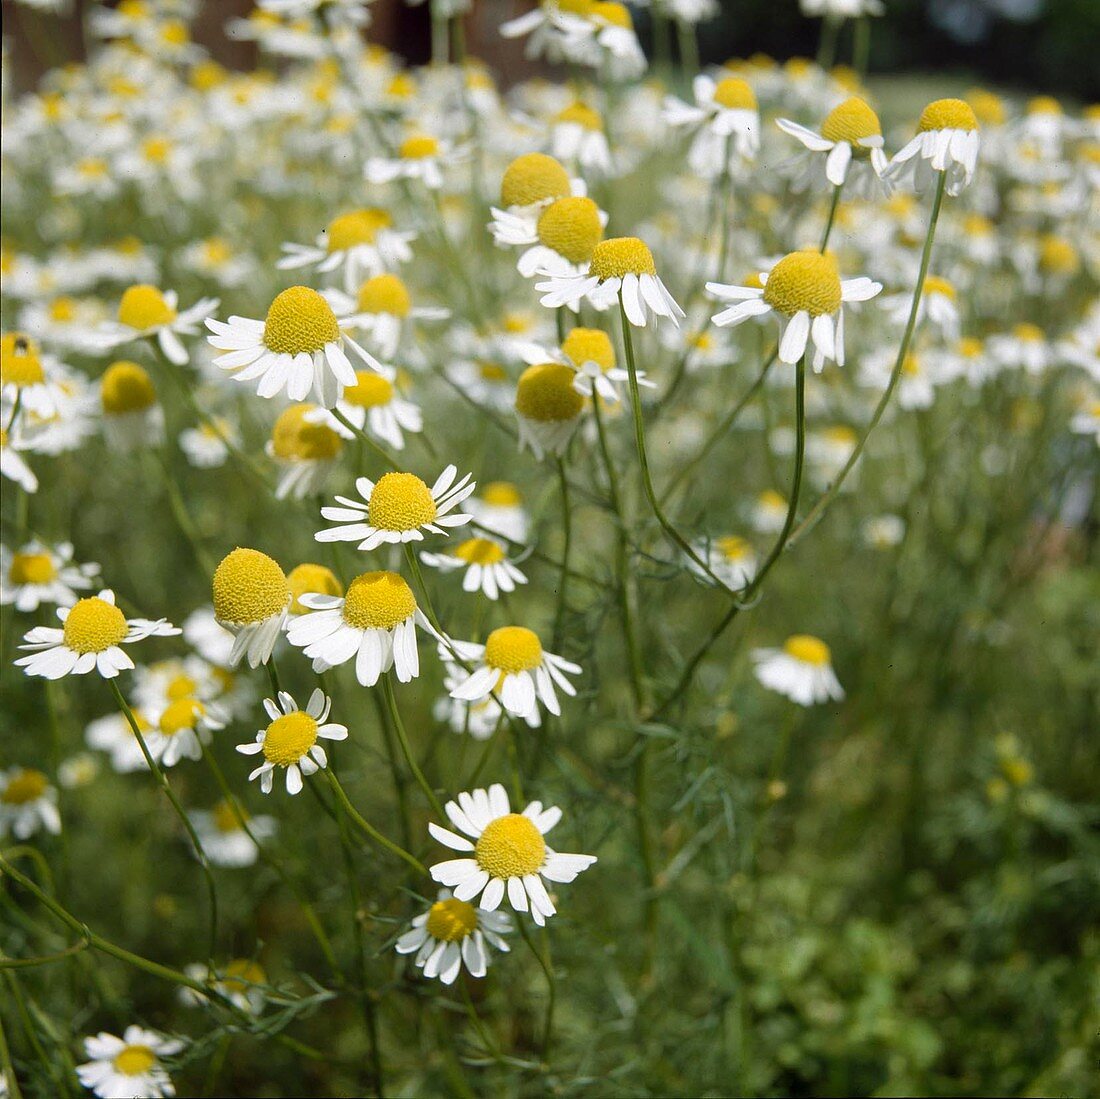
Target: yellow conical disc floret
619,256
227,817
584,345
947,114
513,649
734,94
418,147
1057,256
378,601
807,649
400,501
1029,333
384,294
451,920
851,121
510,847
289,737
988,108
24,786
19,362
183,713
143,306
501,494
134,1060
249,587
934,284
580,114
298,320
294,438
94,625
571,226
479,551
126,387
356,227
610,11
545,392
370,390
314,579
804,281
733,548
31,568
531,178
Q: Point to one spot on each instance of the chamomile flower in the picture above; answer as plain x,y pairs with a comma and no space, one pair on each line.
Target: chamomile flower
1086,420
374,622
592,354
420,156
805,292
305,448
210,640
608,41
112,734
290,740
621,270
548,408
507,853
486,565
223,835
726,119
91,632
299,346
513,665
453,933
398,507
147,312
883,532
851,141
498,509
730,557
359,244
181,728
555,29
37,573
120,1068
23,374
801,670
769,512
947,142
132,416
916,383
1026,345
214,258
560,241
12,464
208,445
241,981
383,308
251,599
577,135
28,804
529,184
939,303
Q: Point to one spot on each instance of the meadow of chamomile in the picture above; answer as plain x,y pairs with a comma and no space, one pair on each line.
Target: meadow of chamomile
585,585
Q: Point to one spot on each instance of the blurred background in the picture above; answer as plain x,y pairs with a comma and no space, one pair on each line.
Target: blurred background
1024,45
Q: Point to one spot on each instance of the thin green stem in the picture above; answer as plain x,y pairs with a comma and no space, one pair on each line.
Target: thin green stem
543,958
359,433
406,748
832,216
369,828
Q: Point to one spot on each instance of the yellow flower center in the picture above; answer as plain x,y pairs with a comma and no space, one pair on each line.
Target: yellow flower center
807,649
311,578
94,625
289,737
510,847
295,439
492,372
182,714
378,601
571,226
156,149
501,494
418,147
298,320
134,1060
911,365
206,75
947,114
126,387
92,167
451,920
400,501
545,393
1044,104
384,294
851,121
969,347
143,306
480,551
370,390
735,95
175,33
619,256
25,786
769,498
226,818
241,973
1029,333
62,310
933,284
988,108
181,686
806,281
839,435
1058,257
610,11
733,548
531,178
517,323
580,114
513,649
402,86
248,587
19,362
584,345
31,568
357,227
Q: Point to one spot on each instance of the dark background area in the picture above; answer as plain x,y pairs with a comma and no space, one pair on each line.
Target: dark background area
1028,45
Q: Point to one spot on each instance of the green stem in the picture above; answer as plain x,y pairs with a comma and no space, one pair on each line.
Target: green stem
361,434
406,749
832,217
543,958
369,828
567,533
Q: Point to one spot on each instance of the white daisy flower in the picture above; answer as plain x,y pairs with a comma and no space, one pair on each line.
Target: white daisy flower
298,346
622,269
485,560
112,734
939,303
396,508
590,352
92,631
806,293
383,308
947,141
207,637
727,120
498,509
37,573
181,728
133,418
548,408
241,981
769,512
251,600
507,853
559,241
801,671
224,838
420,156
1086,421
556,33
145,311
290,741
1025,345
207,446
513,666
121,1068
24,372
306,446
851,139
374,405
478,719
374,622
730,557
577,134
882,532
916,383
28,804
453,933
12,464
